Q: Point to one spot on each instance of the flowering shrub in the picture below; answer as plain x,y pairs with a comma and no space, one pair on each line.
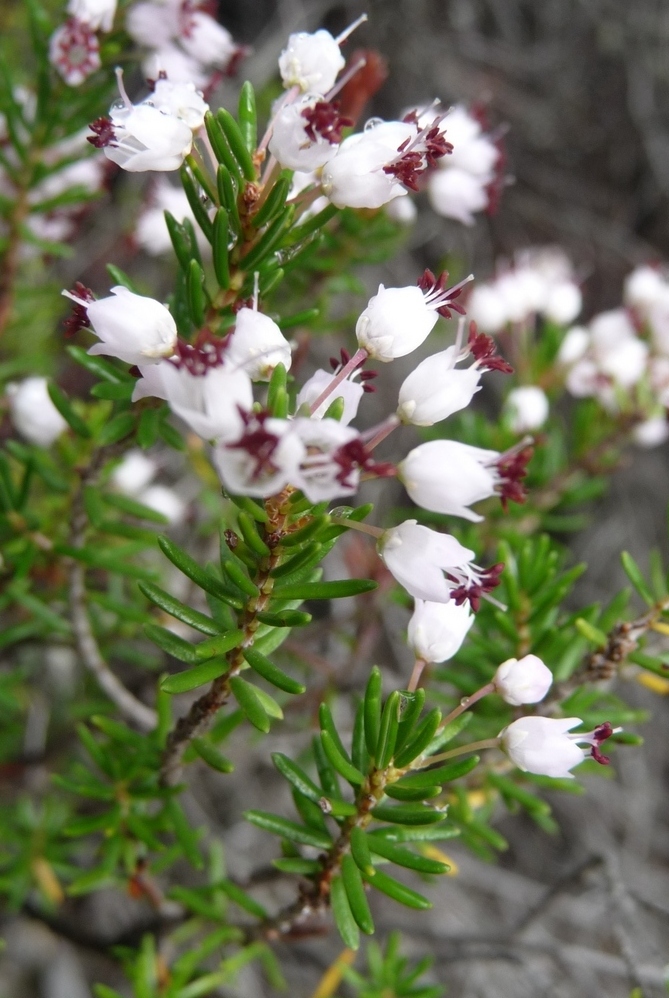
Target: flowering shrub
163,652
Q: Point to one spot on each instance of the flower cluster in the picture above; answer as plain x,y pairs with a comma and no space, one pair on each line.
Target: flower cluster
74,49
538,282
182,41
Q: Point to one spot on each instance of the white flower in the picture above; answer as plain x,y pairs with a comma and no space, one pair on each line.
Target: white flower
397,320
542,745
207,41
311,62
301,140
652,432
420,559
97,14
658,321
487,308
262,460
166,501
325,471
527,408
349,390
257,345
33,413
74,50
402,210
355,176
144,138
643,288
563,303
208,401
136,329
446,476
153,24
457,194
436,389
175,64
437,630
574,345
134,472
182,100
525,680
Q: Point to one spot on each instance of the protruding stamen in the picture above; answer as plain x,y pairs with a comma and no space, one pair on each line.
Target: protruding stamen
347,32
121,88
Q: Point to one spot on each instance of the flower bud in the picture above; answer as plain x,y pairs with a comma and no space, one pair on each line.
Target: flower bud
446,476
525,680
527,408
257,345
437,630
311,62
33,413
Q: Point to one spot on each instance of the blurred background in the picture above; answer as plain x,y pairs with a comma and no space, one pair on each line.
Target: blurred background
580,88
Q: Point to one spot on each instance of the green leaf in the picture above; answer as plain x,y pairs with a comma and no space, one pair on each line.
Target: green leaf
591,633
100,367
199,211
418,833
440,775
399,792
248,118
212,756
342,765
405,857
297,777
398,892
633,573
110,561
186,836
360,851
390,720
196,295
239,578
221,239
200,576
190,679
294,864
64,407
273,204
265,668
221,644
284,618
266,243
246,695
235,140
241,898
227,193
179,240
407,814
269,703
412,708
172,644
324,590
288,829
342,914
116,429
372,710
422,738
355,892
510,791
326,772
251,535
178,610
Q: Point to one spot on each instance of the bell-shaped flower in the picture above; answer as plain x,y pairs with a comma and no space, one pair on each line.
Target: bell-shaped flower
74,51
166,501
651,432
306,134
457,194
171,61
207,41
643,288
311,62
446,476
142,137
257,345
543,745
182,100
433,566
527,408
356,177
525,680
97,14
332,460
437,388
437,630
207,398
136,329
153,25
574,345
33,413
262,459
487,308
563,303
397,320
349,390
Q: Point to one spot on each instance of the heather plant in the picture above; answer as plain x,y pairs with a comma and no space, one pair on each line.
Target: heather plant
147,627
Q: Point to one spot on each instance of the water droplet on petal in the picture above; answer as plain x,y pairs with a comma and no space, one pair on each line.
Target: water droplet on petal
372,123
465,701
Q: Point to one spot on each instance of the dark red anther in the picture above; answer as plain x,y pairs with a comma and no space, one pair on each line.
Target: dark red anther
512,469
355,456
258,442
104,134
198,357
474,589
78,318
325,119
600,734
484,350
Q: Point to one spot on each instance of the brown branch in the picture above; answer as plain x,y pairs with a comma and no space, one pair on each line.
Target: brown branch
10,261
